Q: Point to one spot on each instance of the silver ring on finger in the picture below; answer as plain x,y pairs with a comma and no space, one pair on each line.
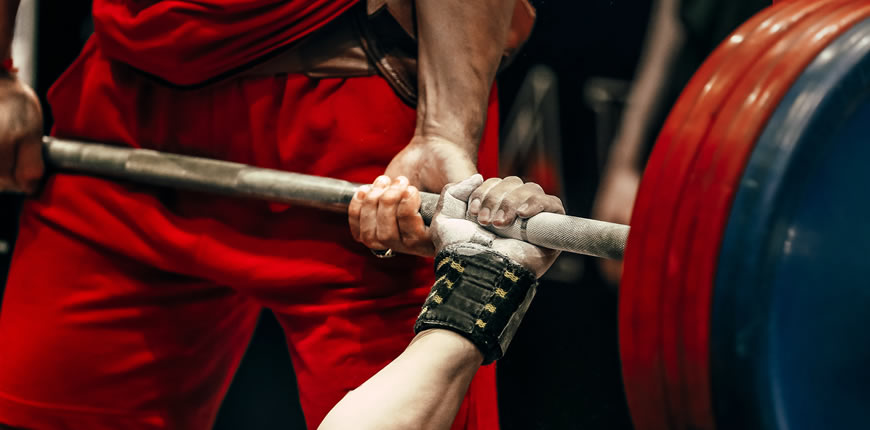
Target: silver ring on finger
383,253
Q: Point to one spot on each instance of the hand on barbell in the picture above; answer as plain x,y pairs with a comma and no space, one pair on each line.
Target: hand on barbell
21,164
386,215
508,198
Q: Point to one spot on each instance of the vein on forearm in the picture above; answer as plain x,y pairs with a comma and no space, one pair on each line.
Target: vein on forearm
460,47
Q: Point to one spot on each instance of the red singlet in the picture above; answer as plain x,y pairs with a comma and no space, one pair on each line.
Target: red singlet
129,307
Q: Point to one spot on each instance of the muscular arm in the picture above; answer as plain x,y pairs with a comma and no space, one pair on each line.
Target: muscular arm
460,44
622,174
421,389
664,42
460,47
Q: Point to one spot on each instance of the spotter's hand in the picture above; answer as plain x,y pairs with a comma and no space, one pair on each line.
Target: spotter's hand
386,215
498,202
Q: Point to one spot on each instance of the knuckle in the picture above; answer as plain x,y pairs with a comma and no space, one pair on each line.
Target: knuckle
383,236
492,200
402,212
485,187
557,204
509,202
534,187
537,199
406,211
509,209
368,236
371,199
391,198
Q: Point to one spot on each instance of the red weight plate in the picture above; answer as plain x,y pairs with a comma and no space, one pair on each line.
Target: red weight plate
645,335
688,332
682,167
639,303
728,148
641,362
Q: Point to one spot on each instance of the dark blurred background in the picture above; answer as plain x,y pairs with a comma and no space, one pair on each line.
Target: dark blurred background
562,371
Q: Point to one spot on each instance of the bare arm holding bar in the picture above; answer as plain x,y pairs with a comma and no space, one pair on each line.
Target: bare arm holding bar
561,232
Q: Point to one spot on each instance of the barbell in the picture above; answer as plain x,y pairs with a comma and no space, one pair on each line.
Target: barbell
745,301
562,232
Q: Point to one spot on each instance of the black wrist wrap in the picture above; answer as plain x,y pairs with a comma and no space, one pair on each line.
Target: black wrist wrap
479,294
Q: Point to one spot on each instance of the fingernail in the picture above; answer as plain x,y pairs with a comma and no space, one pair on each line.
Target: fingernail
411,190
483,216
474,206
382,181
402,180
499,217
523,208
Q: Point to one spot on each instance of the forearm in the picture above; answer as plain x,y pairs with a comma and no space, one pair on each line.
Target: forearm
8,10
421,389
663,45
461,44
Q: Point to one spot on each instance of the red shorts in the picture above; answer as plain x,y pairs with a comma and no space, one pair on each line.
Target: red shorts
129,307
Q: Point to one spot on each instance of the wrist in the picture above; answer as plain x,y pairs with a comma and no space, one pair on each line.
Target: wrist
429,134
463,125
448,344
457,158
435,139
481,295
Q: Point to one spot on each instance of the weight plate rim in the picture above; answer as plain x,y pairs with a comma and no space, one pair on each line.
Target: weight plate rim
638,393
781,145
709,183
653,391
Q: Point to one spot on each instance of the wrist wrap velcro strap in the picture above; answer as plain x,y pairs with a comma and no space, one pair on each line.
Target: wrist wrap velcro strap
479,294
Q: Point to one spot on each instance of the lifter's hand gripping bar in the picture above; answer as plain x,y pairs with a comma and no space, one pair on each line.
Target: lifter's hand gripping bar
562,232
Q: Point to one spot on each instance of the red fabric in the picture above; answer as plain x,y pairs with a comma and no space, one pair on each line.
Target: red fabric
129,307
216,35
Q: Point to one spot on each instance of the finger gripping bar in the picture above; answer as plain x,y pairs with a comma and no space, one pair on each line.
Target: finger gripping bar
554,231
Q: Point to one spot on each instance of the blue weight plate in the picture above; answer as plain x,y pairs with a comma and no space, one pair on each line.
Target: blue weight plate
790,335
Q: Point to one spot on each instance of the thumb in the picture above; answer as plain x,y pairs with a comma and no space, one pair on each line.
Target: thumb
464,189
454,197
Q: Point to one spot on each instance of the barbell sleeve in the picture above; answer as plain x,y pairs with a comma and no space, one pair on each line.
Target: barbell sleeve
562,232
